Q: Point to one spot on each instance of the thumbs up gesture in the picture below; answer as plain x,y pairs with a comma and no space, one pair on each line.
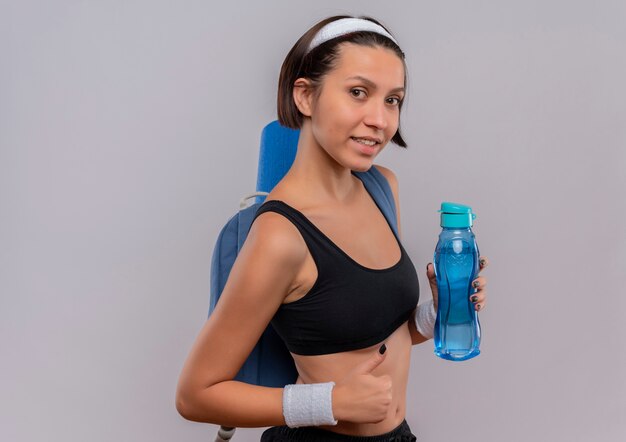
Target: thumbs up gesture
361,396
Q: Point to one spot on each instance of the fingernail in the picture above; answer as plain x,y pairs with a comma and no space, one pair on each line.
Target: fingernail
382,349
478,306
482,262
474,298
427,266
476,284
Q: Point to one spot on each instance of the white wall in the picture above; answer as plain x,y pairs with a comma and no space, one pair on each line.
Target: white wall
123,126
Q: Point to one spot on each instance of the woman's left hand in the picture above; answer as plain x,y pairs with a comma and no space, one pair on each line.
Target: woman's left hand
479,298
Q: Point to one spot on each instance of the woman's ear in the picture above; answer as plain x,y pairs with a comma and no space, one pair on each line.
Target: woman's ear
303,96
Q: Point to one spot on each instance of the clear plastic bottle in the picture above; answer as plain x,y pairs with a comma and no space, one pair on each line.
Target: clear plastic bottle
457,329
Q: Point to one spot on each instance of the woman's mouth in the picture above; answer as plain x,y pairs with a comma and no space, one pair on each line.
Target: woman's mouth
365,145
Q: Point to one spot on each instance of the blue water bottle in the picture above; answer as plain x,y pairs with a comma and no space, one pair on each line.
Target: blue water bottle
457,330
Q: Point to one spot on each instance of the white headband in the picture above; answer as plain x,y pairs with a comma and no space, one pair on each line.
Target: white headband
345,26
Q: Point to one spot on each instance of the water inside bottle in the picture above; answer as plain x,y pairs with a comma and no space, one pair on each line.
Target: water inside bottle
459,338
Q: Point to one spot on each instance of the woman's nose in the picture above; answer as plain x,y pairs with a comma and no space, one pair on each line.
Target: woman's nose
376,115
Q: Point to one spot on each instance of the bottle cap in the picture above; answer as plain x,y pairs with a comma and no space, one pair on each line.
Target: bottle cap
456,215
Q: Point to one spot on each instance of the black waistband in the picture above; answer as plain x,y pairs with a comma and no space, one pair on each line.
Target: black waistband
402,433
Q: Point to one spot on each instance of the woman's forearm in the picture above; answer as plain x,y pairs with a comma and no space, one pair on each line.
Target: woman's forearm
233,404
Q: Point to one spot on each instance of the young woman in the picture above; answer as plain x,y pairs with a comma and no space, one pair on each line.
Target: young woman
321,261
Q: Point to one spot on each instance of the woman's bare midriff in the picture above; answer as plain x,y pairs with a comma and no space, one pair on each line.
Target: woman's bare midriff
334,367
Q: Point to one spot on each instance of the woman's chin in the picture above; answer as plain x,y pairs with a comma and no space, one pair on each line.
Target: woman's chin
362,168
362,164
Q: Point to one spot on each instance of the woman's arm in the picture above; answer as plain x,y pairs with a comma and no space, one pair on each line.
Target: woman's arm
261,277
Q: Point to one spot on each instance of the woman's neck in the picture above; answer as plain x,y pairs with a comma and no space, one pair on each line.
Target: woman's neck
318,174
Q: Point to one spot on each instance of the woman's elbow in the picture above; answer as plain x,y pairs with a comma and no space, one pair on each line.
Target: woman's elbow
183,404
188,404
197,404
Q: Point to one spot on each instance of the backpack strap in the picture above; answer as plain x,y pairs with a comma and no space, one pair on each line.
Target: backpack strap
380,190
246,216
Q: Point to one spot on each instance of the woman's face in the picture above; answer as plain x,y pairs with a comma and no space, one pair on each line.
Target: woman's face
357,109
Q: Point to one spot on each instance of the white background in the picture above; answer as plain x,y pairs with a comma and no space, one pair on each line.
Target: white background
130,129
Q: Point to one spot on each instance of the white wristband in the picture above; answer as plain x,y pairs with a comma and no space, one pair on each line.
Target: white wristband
308,404
425,318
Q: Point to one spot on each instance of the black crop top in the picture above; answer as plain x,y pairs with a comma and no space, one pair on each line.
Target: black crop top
349,306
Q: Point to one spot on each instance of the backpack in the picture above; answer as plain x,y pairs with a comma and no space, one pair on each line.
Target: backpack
270,364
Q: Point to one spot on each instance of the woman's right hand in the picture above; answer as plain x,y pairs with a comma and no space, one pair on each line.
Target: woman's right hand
362,397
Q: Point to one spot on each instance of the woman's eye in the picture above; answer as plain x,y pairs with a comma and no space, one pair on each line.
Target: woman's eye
393,100
357,93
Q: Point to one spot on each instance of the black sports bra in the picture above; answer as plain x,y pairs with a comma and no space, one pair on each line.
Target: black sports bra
349,306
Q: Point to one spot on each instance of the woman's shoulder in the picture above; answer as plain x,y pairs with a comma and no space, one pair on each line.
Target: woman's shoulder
277,237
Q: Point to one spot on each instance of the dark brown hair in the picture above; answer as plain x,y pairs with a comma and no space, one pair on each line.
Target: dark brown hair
317,63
